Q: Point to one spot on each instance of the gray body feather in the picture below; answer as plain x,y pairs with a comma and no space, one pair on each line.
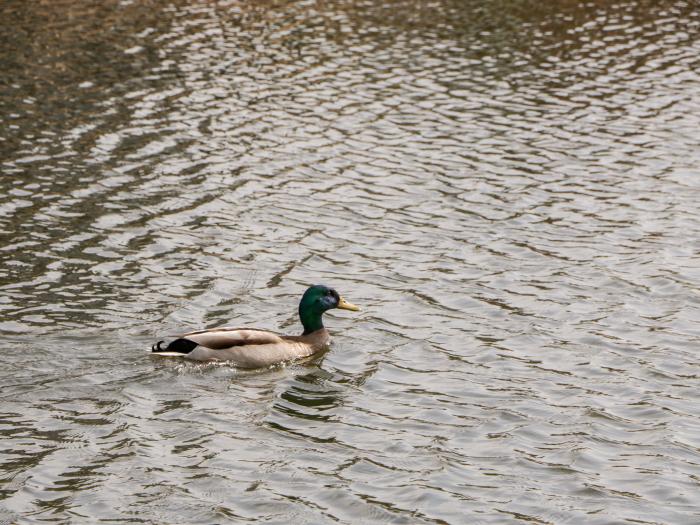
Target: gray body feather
251,348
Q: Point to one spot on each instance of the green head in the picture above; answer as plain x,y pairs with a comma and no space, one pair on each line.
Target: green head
317,300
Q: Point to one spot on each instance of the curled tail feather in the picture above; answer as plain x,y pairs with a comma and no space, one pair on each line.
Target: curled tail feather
178,346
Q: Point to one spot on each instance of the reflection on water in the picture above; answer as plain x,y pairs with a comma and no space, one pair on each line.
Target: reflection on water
508,189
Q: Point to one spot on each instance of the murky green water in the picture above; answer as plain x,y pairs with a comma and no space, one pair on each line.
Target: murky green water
510,189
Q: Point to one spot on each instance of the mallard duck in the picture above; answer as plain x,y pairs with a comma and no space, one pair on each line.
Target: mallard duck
253,348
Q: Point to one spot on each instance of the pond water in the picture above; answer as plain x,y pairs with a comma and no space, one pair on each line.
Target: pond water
509,189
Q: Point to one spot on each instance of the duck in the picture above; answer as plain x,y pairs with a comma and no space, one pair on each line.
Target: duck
256,348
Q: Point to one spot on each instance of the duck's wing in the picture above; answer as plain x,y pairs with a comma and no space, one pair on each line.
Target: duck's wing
244,347
221,338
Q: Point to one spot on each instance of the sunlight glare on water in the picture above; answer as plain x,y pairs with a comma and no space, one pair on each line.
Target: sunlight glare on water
508,189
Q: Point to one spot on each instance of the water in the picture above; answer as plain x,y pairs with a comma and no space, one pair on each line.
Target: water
509,190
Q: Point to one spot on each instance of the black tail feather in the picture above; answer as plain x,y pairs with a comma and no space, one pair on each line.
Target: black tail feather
181,346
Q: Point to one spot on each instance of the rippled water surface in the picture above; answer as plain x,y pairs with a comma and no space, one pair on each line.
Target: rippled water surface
509,189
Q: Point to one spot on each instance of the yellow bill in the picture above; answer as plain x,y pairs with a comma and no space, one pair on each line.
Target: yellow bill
344,305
